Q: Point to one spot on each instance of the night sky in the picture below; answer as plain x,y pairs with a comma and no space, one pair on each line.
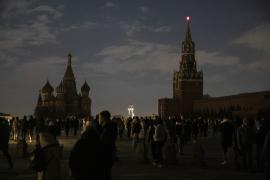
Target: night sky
127,50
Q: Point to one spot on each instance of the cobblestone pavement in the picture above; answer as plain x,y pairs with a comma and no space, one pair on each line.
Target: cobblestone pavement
130,167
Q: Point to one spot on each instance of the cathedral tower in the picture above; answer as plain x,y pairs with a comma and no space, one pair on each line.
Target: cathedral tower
85,100
65,101
60,106
71,96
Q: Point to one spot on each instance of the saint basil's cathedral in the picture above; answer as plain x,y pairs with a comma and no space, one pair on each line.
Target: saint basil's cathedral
65,101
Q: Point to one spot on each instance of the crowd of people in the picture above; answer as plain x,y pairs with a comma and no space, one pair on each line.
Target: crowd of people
162,139
25,128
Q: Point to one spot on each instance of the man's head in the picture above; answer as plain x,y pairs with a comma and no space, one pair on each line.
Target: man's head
104,117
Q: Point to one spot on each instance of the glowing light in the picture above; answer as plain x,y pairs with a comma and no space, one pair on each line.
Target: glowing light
187,18
131,111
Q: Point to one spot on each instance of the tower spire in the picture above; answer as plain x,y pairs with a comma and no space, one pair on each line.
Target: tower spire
188,37
69,58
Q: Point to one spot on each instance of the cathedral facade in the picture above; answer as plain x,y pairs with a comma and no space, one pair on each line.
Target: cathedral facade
65,101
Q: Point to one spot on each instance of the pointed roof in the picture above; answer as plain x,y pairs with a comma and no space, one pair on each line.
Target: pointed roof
188,37
69,72
60,88
47,87
85,87
69,58
39,102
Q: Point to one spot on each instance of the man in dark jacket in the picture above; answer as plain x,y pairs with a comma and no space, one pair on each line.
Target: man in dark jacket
226,129
4,139
84,160
107,138
245,140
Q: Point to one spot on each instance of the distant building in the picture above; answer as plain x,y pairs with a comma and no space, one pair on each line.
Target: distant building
188,92
243,105
65,101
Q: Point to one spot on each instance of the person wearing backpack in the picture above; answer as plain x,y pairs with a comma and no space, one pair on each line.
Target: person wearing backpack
50,151
159,138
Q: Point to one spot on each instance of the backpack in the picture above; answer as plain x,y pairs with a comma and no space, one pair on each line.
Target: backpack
37,160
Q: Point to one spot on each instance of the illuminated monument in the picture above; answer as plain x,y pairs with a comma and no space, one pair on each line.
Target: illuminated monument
66,101
131,111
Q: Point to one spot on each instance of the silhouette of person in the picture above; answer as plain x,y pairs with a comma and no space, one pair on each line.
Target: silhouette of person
108,134
4,139
84,160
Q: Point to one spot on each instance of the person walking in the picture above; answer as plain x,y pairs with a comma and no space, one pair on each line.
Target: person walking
67,126
180,135
245,140
4,139
51,156
159,138
107,138
84,160
226,129
266,152
136,128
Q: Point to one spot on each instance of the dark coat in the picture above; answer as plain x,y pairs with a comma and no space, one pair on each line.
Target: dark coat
108,135
245,135
226,129
84,160
4,134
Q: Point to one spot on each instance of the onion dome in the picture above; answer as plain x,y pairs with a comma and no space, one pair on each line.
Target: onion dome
60,88
47,88
85,87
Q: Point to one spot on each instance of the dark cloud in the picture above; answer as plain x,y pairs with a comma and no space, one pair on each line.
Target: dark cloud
128,50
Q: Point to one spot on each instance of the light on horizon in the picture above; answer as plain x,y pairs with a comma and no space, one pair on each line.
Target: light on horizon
187,18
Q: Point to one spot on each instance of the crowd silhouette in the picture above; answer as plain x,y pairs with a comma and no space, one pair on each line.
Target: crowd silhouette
163,138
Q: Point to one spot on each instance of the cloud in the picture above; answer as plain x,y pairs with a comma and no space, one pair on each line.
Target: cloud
6,60
48,9
85,25
144,9
17,36
136,57
257,38
162,29
215,58
137,27
110,4
38,29
16,7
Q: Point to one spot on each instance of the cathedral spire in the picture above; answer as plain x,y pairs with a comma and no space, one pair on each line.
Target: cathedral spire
69,73
69,82
69,58
188,37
